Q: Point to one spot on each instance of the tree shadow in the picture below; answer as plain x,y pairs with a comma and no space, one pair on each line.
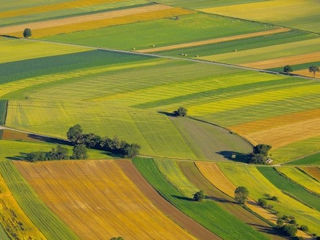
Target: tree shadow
49,139
168,114
223,200
235,156
183,198
21,157
8,36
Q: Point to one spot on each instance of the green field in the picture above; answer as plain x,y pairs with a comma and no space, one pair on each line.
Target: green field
51,226
3,234
258,186
146,34
3,111
313,159
290,187
220,222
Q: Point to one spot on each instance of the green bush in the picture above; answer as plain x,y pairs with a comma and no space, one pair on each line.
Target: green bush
198,196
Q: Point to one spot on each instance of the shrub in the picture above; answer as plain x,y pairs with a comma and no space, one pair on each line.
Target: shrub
287,69
58,153
274,198
241,194
289,230
198,196
181,112
27,33
304,228
262,202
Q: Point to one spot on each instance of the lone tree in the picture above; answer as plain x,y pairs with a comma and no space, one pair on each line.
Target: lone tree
74,134
79,152
198,196
314,69
287,69
27,33
241,194
181,112
260,154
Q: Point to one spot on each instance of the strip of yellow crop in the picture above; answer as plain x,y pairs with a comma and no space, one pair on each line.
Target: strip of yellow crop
14,220
133,15
306,72
16,50
215,40
30,82
53,7
254,99
98,200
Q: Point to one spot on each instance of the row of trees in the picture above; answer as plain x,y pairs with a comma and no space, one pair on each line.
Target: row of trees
312,69
115,146
58,153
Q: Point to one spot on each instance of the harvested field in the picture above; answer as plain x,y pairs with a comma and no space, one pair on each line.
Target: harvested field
279,62
190,170
168,209
82,194
313,172
306,72
215,40
284,135
94,21
52,7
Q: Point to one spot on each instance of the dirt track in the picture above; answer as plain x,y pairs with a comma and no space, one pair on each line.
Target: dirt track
184,221
82,18
214,40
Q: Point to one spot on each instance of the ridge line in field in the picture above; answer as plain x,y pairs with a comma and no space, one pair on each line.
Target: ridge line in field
170,57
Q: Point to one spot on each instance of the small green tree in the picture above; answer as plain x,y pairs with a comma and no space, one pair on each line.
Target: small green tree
262,202
314,69
290,230
198,196
241,194
287,69
79,152
74,134
27,33
181,112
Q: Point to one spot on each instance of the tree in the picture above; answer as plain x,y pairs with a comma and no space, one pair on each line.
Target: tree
181,112
262,202
287,69
27,33
314,69
262,149
304,228
241,194
289,230
74,134
258,158
79,152
132,150
198,196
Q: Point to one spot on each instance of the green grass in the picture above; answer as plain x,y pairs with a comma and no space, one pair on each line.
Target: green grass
145,34
243,44
207,213
3,234
313,159
258,185
3,111
290,187
50,225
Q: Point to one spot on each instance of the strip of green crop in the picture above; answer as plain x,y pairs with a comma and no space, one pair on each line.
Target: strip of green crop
290,187
3,234
313,159
207,213
3,111
49,224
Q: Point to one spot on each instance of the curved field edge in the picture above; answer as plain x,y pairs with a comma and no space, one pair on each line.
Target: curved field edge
221,222
42,217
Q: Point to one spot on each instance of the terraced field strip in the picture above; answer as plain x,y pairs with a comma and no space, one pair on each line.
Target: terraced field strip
214,175
52,7
193,174
313,172
96,20
13,219
3,111
279,62
163,205
258,186
207,212
290,187
301,178
3,233
40,215
215,40
86,195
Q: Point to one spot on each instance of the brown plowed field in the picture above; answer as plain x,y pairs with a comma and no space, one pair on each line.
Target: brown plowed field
215,40
98,201
312,171
184,221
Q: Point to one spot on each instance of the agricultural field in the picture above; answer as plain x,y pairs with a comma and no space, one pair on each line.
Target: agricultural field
114,113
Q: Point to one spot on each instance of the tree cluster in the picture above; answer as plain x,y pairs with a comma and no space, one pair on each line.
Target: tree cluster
260,154
286,225
58,153
93,141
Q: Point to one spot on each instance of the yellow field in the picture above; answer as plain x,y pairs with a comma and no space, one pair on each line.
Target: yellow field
215,176
279,62
16,50
94,21
215,40
13,219
53,7
98,200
